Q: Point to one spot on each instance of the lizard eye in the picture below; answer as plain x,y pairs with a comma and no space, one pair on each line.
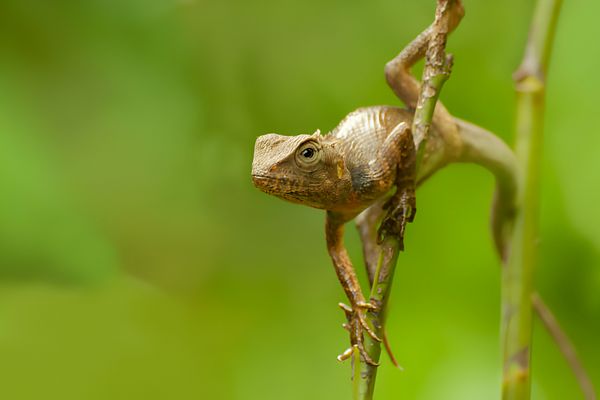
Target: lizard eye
308,154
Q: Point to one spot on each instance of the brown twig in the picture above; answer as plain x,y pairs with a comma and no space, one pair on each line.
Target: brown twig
565,346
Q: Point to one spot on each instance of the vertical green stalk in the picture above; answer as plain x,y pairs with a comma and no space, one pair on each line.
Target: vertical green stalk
517,274
365,374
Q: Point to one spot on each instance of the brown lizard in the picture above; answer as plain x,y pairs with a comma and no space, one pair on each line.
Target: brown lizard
351,171
345,172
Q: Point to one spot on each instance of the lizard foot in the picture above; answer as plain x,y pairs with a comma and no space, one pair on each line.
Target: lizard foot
401,209
356,325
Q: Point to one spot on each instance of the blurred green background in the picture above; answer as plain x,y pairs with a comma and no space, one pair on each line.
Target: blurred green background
138,262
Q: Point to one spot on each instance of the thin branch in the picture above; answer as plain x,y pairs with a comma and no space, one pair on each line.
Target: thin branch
566,347
364,373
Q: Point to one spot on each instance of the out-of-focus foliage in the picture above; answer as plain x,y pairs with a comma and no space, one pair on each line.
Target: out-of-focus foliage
137,261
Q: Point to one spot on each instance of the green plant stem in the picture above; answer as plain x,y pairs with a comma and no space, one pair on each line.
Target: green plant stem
436,72
486,149
517,274
365,374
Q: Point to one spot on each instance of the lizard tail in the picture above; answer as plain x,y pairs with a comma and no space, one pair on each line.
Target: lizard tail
388,350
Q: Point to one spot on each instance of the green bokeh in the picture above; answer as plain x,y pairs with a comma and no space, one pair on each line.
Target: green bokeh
138,262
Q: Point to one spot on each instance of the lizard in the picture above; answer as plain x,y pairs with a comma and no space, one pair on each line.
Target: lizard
344,173
351,172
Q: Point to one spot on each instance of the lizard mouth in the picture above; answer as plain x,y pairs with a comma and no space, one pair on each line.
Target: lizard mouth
280,187
260,180
286,189
268,184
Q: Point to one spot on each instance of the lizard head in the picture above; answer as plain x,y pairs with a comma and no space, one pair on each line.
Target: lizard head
304,169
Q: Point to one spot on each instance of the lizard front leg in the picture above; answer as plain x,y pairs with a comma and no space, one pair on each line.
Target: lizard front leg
356,312
396,164
398,151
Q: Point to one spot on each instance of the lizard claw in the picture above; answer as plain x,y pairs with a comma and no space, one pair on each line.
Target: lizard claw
346,354
363,322
349,351
359,314
401,209
356,325
367,306
346,308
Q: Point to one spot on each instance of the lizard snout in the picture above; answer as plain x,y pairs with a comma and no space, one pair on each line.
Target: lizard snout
263,161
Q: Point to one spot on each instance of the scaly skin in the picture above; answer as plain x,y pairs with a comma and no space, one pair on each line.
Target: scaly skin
345,172
357,162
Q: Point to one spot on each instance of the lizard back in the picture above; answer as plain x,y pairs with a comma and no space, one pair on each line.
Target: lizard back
363,131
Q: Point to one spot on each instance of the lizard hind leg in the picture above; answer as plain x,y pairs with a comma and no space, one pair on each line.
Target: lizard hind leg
407,88
397,71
